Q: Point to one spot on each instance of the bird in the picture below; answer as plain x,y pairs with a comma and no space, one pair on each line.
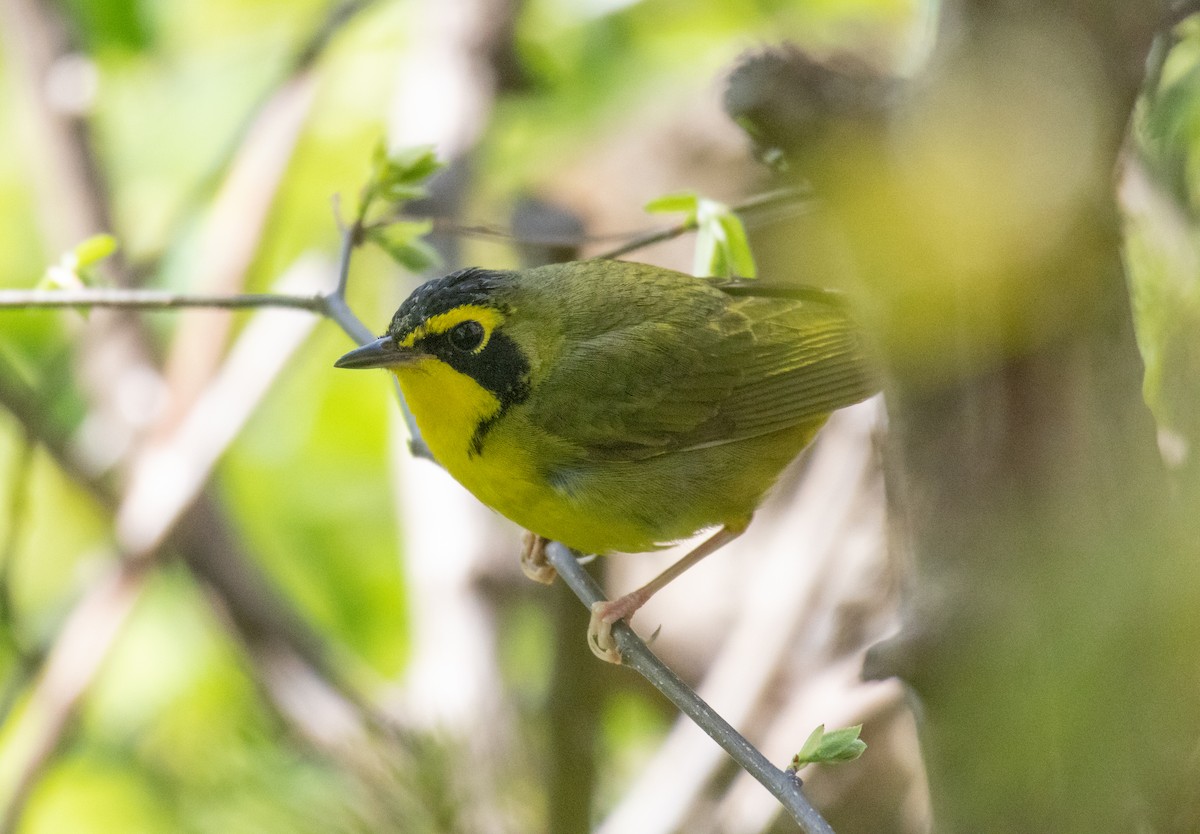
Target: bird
619,407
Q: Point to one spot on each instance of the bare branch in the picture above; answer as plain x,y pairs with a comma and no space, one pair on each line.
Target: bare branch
769,199
636,655
334,306
151,300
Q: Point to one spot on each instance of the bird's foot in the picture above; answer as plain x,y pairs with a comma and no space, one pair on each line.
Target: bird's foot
533,559
604,614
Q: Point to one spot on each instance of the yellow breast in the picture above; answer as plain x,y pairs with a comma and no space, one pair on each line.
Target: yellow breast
628,506
449,407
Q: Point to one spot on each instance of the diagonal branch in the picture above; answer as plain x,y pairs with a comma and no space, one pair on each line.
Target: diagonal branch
636,654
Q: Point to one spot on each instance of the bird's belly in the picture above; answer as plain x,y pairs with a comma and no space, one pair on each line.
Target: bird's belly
628,506
596,506
510,477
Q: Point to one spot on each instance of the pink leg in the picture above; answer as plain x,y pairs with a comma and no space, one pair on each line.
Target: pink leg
604,614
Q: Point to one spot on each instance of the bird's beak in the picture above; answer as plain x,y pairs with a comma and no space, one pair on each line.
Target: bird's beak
381,353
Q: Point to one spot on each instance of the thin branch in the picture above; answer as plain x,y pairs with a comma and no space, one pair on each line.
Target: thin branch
152,299
777,633
635,654
787,200
334,306
781,196
351,238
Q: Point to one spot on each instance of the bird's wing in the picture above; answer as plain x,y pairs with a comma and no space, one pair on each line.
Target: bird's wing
748,367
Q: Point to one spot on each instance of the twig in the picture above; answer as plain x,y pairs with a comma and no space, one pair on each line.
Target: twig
781,196
788,200
636,655
152,300
333,305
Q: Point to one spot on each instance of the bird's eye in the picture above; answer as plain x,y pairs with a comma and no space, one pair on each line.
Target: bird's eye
466,336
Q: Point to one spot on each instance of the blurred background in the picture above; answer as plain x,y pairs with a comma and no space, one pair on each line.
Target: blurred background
231,600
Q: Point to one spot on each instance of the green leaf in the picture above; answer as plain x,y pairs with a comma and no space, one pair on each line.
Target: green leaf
74,267
402,241
413,164
737,245
93,250
722,248
838,746
684,201
398,176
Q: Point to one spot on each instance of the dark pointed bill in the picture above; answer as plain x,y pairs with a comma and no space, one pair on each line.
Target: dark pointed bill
381,353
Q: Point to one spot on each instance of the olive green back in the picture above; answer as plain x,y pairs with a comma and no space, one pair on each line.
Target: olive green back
658,361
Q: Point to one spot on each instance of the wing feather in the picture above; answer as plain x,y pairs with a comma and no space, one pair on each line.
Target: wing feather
741,368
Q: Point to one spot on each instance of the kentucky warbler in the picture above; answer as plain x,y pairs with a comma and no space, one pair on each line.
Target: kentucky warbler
615,406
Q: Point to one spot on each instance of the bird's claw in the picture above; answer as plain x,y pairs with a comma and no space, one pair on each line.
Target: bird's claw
533,559
599,634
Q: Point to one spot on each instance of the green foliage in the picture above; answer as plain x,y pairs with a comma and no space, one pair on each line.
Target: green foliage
830,747
722,249
1161,242
76,268
110,24
398,177
1169,125
402,241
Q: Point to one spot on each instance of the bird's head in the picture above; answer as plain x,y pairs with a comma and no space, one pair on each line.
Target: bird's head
458,321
